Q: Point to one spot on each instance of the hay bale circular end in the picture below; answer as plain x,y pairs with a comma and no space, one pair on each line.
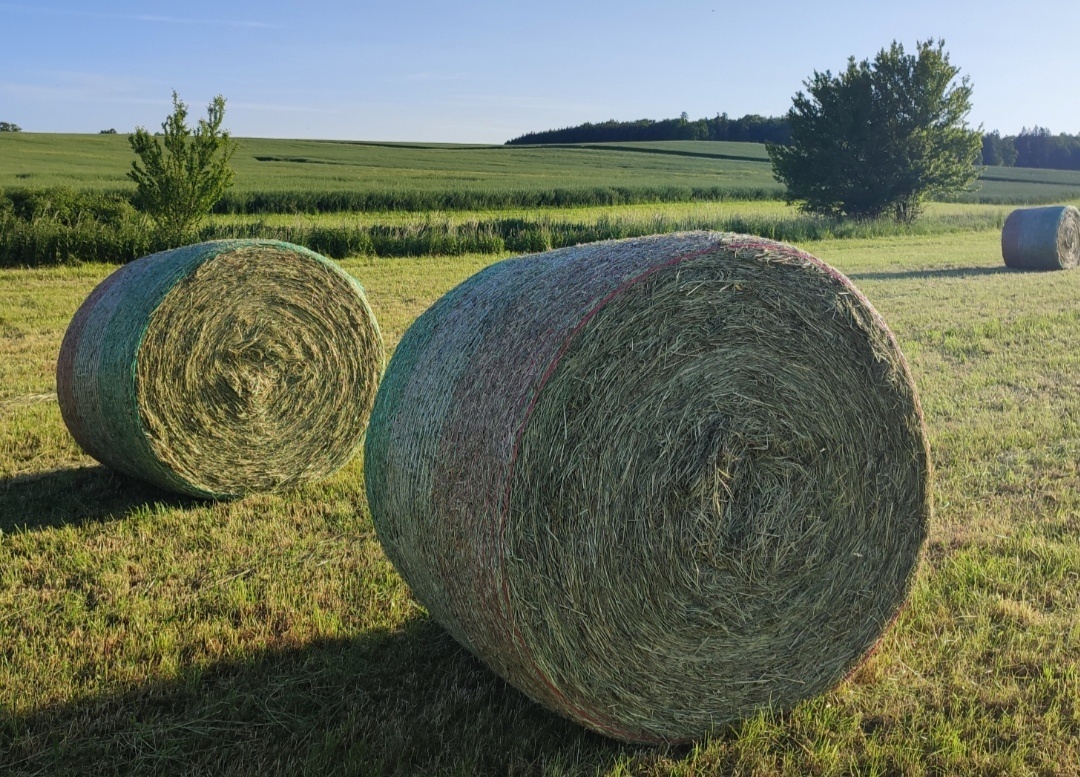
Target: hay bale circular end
222,368
657,484
1042,238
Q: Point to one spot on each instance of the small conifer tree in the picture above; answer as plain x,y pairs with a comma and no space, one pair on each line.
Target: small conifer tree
184,170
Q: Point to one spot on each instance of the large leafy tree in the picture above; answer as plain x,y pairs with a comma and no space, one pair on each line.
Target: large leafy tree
880,137
184,170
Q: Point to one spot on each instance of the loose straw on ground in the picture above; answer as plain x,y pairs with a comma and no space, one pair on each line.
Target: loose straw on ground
657,484
1042,238
222,368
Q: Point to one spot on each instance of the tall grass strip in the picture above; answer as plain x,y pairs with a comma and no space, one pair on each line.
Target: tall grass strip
657,484
222,368
1042,238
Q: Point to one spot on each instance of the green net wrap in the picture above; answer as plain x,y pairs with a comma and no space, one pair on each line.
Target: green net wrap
656,484
222,368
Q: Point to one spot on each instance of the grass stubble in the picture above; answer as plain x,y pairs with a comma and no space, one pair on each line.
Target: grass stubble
142,632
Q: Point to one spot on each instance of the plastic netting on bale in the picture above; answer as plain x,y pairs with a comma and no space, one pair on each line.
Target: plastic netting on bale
657,484
222,368
1042,238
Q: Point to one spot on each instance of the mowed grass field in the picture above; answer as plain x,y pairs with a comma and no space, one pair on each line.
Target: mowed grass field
144,633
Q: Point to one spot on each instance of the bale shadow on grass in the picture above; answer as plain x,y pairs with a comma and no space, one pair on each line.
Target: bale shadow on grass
410,701
943,272
74,496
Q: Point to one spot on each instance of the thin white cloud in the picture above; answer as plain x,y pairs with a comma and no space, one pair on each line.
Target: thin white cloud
83,86
512,101
149,18
278,108
428,76
72,94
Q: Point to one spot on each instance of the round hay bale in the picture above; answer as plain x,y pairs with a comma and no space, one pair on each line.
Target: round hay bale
1042,238
222,368
657,484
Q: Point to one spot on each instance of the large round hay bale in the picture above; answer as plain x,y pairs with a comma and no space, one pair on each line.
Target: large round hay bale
1042,238
657,484
222,368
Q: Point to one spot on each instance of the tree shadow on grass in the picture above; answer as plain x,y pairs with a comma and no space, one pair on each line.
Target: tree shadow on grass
943,272
410,701
74,496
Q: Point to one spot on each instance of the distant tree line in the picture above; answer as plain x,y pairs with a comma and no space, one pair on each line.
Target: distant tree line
750,128
1036,147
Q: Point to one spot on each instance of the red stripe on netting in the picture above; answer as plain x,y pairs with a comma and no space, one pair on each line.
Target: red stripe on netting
538,673
74,412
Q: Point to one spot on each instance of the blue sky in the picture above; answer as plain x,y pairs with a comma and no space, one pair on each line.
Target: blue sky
488,71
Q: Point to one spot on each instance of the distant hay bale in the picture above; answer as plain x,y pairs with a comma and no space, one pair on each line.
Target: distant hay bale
222,368
1042,238
656,484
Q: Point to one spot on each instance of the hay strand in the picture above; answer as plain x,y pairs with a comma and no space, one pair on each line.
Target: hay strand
656,484
222,368
1042,238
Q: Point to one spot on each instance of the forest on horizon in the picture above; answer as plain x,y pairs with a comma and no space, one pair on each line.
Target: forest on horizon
1037,147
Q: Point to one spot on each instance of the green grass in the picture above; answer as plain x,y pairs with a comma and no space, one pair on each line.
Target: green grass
284,175
936,215
1024,186
720,149
142,633
321,176
342,235
52,239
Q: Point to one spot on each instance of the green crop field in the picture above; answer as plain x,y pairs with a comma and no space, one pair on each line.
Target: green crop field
317,175
719,149
416,173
